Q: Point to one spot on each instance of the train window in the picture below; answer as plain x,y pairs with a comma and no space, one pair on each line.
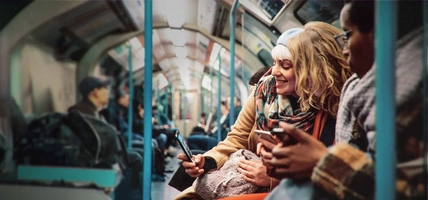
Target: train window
314,10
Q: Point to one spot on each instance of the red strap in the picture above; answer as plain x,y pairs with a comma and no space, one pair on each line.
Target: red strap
320,120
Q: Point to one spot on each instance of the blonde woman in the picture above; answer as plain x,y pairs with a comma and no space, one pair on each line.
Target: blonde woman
279,97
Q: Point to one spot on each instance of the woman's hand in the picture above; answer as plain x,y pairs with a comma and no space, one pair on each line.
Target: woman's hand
298,160
264,149
253,171
195,168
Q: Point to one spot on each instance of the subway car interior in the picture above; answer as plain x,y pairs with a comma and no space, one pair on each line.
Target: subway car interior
56,56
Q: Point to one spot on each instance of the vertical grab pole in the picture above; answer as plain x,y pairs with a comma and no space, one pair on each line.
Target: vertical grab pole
385,100
201,103
219,99
184,101
158,100
211,92
173,113
148,86
232,61
167,103
131,95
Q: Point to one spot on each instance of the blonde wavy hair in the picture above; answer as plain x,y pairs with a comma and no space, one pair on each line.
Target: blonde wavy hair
320,67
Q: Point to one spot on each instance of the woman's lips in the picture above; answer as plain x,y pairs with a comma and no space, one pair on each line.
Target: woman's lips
280,82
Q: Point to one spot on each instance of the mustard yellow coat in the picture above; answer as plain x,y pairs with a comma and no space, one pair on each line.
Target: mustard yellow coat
241,136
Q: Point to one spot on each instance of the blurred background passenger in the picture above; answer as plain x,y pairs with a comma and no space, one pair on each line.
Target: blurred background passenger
95,96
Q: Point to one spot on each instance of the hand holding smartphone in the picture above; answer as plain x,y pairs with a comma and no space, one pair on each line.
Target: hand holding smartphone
281,135
266,135
184,146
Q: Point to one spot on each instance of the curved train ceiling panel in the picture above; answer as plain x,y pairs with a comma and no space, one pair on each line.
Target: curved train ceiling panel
208,16
72,33
189,32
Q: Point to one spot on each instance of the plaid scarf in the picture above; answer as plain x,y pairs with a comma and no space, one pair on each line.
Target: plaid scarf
272,108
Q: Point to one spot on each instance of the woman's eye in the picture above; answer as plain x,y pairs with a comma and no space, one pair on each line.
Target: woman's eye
286,65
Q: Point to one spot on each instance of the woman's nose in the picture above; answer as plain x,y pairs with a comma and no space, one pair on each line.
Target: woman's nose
275,70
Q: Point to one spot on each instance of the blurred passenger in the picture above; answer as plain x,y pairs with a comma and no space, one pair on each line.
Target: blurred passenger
121,110
200,140
347,170
161,138
95,95
288,92
138,124
236,110
197,130
254,79
224,122
203,122
162,128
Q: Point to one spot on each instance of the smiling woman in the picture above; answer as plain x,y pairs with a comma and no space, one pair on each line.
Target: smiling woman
179,54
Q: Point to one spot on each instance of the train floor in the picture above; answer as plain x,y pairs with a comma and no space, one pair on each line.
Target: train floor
161,190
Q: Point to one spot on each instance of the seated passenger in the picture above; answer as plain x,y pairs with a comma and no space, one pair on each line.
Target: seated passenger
224,123
286,93
138,130
236,110
203,121
121,109
205,142
356,115
199,140
95,96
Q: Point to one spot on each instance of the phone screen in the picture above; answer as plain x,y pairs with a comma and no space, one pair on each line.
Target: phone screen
266,135
184,146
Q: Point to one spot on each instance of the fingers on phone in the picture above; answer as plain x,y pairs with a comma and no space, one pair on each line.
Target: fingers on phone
259,148
182,156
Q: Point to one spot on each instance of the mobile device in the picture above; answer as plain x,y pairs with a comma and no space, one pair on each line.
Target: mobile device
184,146
266,135
279,133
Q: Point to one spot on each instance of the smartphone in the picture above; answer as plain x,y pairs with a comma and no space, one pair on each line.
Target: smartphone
279,133
267,135
184,146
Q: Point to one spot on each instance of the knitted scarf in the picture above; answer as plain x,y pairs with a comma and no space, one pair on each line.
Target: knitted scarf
272,108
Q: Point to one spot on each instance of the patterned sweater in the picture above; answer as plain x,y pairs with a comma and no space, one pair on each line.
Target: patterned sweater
348,172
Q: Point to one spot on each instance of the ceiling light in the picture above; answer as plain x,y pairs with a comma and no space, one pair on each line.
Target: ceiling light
177,37
180,52
175,12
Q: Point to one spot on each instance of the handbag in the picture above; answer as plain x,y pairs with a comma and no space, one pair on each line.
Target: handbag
226,181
